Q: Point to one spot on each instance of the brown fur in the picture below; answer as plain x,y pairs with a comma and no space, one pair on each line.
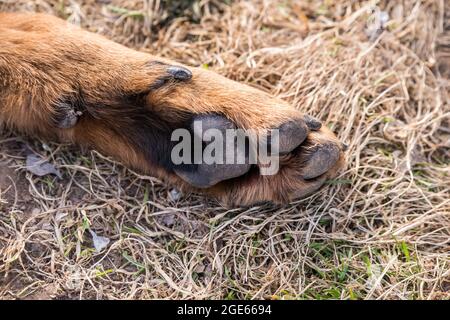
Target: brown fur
46,62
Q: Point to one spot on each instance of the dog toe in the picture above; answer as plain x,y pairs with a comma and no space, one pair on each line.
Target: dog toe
322,159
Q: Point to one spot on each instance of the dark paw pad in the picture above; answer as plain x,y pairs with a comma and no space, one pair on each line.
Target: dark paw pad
67,116
322,159
208,173
291,135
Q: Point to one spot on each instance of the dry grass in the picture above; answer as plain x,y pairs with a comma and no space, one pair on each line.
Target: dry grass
379,231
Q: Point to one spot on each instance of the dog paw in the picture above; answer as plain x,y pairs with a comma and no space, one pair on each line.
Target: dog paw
306,155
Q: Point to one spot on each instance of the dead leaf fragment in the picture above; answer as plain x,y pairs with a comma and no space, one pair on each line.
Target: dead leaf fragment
100,242
40,167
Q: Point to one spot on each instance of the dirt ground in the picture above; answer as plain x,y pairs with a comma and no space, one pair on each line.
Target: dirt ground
381,230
